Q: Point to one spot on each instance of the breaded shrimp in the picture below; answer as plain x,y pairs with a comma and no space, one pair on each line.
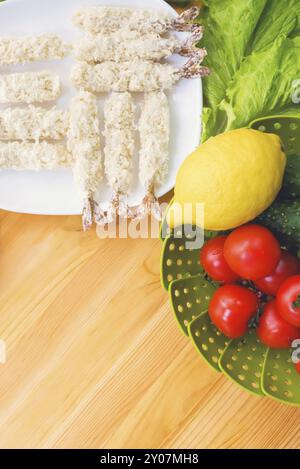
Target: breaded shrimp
33,123
84,141
105,20
119,118
34,156
126,45
29,87
134,76
22,49
154,128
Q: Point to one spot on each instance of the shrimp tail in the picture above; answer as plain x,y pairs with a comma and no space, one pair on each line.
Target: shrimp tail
117,206
105,218
189,47
99,215
87,214
183,22
123,210
149,206
193,67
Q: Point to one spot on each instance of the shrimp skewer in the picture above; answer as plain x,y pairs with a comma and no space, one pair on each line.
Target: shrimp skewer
154,128
34,156
119,116
131,45
105,20
135,76
33,123
84,141
29,87
22,49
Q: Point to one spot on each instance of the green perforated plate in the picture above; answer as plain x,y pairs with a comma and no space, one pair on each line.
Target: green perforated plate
243,361
246,361
286,127
208,340
280,378
177,261
189,298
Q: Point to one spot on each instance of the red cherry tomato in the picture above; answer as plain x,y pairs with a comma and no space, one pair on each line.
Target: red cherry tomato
274,331
231,308
288,265
297,366
252,251
213,261
288,300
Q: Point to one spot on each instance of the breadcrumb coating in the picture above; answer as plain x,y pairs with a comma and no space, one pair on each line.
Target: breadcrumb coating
154,128
33,123
95,20
22,49
105,20
119,116
135,76
34,156
29,87
84,141
125,46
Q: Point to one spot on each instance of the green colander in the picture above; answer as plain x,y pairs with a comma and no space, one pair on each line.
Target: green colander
286,127
246,361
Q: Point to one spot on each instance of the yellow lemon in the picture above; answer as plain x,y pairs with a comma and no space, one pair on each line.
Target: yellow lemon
236,175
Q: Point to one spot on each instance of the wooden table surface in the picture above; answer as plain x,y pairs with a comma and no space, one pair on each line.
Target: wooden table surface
95,358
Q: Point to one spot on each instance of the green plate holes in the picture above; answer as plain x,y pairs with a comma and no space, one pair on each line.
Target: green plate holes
280,379
189,298
286,127
177,261
208,340
243,361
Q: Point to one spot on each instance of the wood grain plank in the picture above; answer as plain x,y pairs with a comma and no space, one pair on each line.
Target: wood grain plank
94,356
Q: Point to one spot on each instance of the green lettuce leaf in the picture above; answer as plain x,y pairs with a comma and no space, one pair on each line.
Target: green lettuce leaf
263,84
251,46
226,47
278,17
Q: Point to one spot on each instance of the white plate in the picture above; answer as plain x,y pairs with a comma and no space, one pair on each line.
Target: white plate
54,192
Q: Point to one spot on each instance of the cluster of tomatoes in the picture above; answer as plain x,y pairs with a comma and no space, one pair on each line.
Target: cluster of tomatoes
258,280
